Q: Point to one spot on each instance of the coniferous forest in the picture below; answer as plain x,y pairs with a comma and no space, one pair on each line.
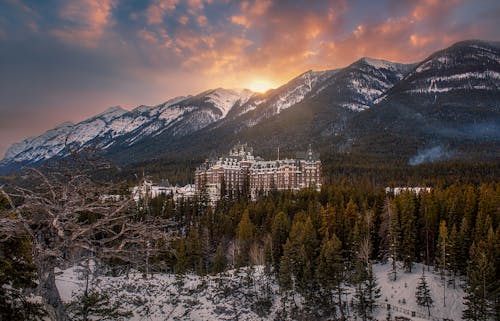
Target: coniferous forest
316,244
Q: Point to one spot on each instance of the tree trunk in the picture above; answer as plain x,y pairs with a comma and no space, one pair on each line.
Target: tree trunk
50,294
339,293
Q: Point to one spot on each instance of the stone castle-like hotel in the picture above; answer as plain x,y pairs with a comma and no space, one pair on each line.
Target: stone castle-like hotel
241,168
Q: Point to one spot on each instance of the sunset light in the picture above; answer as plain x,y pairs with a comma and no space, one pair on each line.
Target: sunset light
100,53
261,85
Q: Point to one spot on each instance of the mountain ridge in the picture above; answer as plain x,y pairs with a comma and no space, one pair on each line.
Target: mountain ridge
343,109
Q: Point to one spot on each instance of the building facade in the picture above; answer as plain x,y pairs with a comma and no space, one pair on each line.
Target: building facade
148,190
241,171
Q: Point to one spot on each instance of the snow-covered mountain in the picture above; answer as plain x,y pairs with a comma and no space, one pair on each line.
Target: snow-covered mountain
450,103
179,116
452,95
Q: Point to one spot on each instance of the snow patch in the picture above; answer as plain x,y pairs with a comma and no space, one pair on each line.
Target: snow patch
225,99
231,295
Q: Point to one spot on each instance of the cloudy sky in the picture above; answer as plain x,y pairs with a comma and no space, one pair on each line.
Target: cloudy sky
65,60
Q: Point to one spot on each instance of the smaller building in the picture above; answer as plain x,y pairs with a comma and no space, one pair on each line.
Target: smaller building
398,190
148,190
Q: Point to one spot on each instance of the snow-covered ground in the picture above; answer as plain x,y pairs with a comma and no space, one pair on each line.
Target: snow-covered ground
404,288
238,295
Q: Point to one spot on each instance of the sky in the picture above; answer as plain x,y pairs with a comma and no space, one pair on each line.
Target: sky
66,60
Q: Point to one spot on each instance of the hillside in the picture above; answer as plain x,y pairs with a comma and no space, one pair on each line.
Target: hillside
236,294
444,107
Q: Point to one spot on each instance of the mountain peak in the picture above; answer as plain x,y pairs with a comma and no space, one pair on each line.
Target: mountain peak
476,43
469,70
111,113
225,99
64,124
378,63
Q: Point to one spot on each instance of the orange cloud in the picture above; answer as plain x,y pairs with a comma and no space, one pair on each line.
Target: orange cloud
87,21
241,20
202,20
251,12
183,20
419,40
259,7
321,40
157,9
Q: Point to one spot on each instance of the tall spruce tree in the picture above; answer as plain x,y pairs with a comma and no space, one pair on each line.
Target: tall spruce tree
394,239
423,294
331,273
244,238
367,291
408,229
279,234
442,255
480,298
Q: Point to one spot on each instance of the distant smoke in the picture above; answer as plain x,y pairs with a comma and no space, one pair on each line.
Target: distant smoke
489,130
429,155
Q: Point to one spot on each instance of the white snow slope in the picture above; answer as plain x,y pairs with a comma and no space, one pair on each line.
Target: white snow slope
181,115
234,295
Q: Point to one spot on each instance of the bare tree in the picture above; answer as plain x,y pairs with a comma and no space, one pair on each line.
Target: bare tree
63,212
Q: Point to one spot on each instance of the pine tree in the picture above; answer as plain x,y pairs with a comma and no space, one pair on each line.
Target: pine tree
330,272
279,234
423,294
300,254
244,237
17,274
383,232
408,229
453,253
394,238
367,290
96,305
442,256
464,239
220,260
181,264
428,216
480,298
441,251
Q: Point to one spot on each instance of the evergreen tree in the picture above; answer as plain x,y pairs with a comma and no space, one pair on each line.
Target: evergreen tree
394,239
244,238
181,263
331,274
384,231
423,294
95,305
453,253
299,256
442,255
408,229
220,260
441,251
429,222
464,239
17,274
279,234
480,298
367,291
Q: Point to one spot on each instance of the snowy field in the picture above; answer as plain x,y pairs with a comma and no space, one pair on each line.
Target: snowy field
237,295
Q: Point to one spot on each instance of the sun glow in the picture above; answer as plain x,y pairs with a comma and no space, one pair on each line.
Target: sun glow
260,85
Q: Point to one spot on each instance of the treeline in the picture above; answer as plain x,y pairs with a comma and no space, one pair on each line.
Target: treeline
316,243
337,169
